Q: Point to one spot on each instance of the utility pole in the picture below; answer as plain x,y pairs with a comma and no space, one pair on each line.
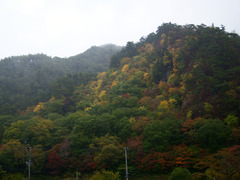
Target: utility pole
76,175
28,149
126,162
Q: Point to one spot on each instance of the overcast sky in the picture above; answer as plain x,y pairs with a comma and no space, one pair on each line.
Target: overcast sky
65,28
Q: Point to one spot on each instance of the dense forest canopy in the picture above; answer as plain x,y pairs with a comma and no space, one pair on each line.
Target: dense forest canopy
27,80
173,99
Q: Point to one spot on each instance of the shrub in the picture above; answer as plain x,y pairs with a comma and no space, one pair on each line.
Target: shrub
180,174
105,175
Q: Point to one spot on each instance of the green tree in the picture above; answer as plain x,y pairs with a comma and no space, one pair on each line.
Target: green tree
5,122
122,128
79,141
180,174
32,131
108,151
38,159
12,155
160,134
7,109
213,134
55,106
231,120
63,87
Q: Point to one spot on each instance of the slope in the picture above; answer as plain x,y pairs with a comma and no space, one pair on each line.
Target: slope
26,80
172,99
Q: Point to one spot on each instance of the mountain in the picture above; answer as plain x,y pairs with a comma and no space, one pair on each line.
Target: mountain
173,99
96,59
26,80
201,63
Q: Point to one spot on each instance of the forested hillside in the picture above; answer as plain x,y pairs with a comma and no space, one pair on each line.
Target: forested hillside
27,80
173,99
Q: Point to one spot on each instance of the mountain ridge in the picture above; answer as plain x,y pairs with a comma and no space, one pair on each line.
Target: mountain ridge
173,99
32,75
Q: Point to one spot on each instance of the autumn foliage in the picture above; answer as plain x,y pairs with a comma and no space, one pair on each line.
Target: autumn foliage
173,99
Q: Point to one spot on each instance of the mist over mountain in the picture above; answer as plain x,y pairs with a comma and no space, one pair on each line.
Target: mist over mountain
26,80
173,99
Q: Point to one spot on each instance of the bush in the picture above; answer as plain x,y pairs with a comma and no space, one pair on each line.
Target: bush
105,175
180,174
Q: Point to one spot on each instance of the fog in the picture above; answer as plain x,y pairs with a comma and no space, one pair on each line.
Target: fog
68,27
